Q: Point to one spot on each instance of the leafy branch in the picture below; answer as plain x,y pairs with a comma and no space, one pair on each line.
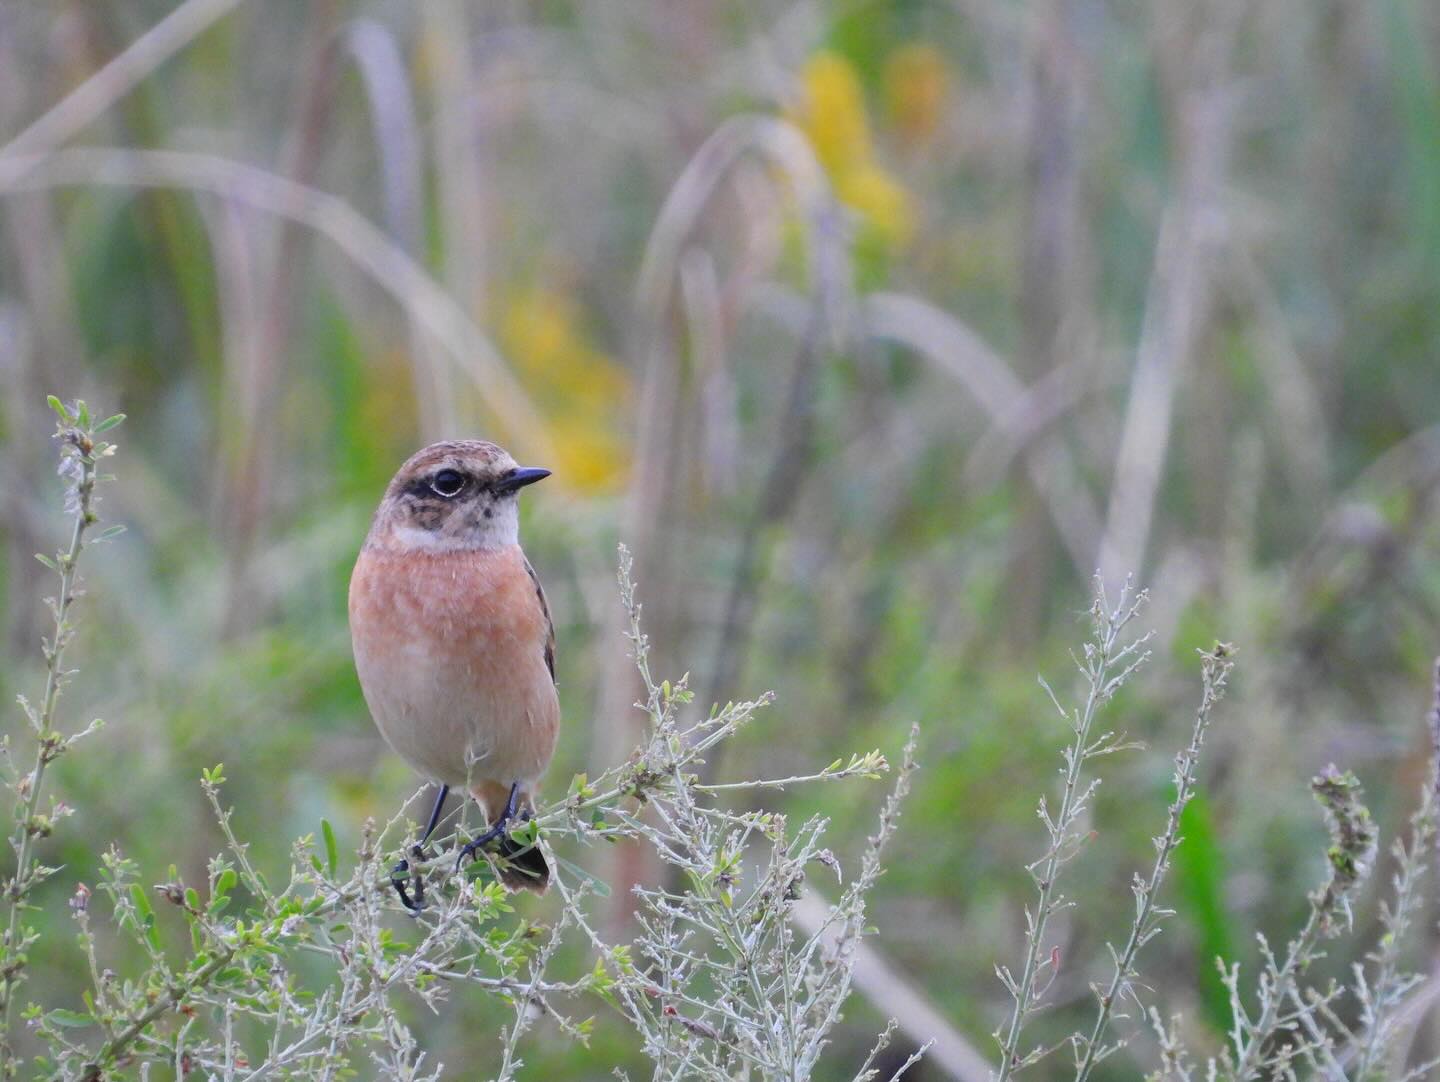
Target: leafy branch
81,452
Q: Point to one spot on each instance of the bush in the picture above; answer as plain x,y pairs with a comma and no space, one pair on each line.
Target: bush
242,978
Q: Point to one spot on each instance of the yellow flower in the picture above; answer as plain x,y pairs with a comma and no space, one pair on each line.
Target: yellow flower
832,112
883,205
916,85
580,390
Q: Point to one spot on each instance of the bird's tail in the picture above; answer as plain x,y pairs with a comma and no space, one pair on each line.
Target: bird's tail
522,866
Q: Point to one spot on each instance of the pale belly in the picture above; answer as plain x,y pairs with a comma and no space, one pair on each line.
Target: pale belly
450,652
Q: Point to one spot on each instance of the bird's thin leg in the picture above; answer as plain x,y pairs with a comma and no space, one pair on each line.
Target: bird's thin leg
434,815
399,874
497,828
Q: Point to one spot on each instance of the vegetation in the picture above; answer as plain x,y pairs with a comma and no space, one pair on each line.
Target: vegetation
873,332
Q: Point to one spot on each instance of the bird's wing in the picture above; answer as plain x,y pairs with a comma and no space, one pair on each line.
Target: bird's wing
549,623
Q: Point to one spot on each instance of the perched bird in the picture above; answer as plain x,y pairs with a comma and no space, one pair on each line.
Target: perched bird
454,644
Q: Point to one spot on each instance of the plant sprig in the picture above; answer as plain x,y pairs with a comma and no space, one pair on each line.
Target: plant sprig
81,452
1107,663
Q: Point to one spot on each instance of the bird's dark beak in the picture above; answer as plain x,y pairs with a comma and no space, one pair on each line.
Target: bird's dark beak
520,477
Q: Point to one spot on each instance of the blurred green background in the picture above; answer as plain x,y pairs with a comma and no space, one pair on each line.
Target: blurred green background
873,328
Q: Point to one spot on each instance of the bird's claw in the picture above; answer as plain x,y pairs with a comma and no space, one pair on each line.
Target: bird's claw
474,845
498,829
401,877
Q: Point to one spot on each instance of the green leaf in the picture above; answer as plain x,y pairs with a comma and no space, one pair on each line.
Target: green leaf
1199,884
525,833
598,886
147,914
108,532
331,853
141,900
47,561
72,1019
60,410
109,423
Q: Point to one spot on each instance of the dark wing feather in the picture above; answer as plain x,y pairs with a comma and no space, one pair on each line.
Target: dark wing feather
549,623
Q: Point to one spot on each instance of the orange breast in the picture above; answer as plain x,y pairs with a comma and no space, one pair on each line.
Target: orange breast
450,650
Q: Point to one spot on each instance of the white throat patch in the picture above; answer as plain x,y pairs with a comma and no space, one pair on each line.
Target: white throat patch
499,531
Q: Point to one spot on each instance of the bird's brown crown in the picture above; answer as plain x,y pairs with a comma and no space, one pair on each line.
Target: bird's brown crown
452,496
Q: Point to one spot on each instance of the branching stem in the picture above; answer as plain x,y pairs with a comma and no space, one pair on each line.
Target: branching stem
1101,657
1217,666
43,726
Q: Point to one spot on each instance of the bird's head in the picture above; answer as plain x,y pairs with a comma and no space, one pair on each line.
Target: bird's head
453,496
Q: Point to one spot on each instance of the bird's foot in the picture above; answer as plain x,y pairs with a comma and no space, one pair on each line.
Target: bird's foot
497,829
474,845
402,877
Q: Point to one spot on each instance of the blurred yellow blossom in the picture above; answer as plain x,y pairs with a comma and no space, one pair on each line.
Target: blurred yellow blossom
581,391
831,112
916,84
883,205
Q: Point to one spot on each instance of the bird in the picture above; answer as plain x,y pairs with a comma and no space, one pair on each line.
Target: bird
454,645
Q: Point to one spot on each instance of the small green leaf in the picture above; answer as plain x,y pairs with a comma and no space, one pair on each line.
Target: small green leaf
331,852
47,561
72,1019
108,532
109,423
141,900
60,410
525,833
147,915
82,416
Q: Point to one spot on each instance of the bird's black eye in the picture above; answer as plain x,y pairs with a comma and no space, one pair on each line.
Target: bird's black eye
447,483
